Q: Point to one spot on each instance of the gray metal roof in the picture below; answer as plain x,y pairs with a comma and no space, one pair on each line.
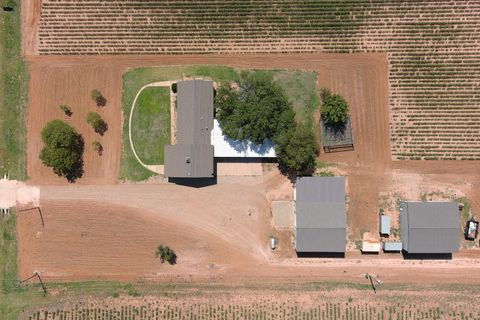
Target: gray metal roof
189,161
320,214
194,111
320,189
430,227
192,156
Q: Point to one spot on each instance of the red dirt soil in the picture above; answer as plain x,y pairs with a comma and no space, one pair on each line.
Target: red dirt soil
110,232
361,78
198,214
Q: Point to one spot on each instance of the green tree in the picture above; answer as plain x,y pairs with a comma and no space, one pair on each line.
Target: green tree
63,150
258,110
98,97
166,254
97,123
97,146
296,151
66,109
334,108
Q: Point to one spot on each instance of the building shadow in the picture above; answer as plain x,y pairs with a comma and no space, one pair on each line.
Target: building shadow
426,256
336,255
194,182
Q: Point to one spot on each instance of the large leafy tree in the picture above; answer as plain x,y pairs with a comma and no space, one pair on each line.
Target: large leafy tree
258,110
63,150
296,150
334,108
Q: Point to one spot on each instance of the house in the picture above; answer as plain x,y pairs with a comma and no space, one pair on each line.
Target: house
192,156
320,215
430,227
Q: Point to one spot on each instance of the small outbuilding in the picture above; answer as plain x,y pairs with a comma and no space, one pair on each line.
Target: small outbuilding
384,225
392,246
320,215
370,247
430,227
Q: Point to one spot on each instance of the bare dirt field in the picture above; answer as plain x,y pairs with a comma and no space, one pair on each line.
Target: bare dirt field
110,232
361,78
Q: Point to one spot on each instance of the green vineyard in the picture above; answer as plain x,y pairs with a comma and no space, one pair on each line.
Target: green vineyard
433,48
252,312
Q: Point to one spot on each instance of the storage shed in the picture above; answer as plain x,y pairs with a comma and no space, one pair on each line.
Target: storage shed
320,215
370,247
430,227
384,225
392,246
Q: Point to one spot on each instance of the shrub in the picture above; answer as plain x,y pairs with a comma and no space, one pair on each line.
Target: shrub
97,147
296,151
334,108
66,109
166,254
63,150
98,98
174,87
97,123
258,110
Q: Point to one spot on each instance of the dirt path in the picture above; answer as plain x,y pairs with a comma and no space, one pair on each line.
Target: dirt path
110,232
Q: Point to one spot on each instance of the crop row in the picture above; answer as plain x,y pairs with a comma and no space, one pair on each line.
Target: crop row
253,312
433,47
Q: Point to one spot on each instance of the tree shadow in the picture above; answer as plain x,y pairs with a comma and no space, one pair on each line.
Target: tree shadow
76,171
101,128
101,101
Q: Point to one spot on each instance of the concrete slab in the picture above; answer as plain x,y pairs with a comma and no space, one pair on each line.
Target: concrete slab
283,214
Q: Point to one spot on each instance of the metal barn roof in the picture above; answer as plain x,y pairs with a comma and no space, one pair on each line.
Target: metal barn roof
430,227
320,214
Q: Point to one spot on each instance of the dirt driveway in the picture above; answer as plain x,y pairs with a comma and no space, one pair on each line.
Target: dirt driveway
111,232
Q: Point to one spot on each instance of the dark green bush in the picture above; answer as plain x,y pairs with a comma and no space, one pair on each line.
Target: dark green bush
63,150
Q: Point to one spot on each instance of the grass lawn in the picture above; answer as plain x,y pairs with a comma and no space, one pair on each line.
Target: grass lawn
13,96
300,87
151,124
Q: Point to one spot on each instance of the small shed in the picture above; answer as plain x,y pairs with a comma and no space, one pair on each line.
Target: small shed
370,247
384,225
392,246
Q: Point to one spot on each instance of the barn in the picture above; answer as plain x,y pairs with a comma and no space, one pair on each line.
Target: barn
320,215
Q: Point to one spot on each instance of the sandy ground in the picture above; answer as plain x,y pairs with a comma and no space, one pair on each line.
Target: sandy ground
111,233
14,193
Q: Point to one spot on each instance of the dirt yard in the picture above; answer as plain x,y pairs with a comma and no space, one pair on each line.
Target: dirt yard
111,233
